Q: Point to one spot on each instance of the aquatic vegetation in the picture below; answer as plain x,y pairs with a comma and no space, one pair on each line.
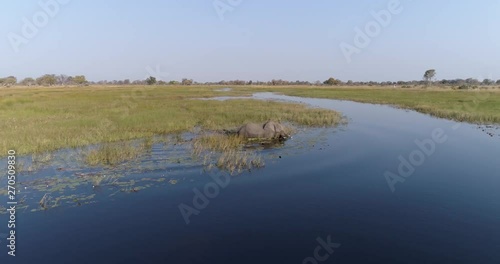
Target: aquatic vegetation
237,161
49,119
43,202
97,180
173,182
41,158
36,162
225,152
216,142
52,185
65,181
111,154
148,143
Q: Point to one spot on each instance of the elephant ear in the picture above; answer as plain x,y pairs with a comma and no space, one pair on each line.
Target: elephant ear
267,125
276,127
270,125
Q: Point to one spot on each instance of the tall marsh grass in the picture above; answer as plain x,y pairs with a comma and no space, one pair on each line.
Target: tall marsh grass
111,154
37,120
226,153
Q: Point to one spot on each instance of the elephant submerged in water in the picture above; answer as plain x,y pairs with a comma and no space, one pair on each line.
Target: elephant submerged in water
268,130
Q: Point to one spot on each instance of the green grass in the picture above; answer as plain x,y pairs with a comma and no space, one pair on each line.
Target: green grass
473,106
216,142
225,152
38,120
111,154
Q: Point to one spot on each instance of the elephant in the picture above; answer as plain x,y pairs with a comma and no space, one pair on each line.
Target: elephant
268,130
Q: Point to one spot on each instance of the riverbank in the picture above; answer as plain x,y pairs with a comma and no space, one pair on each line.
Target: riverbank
37,120
41,119
472,106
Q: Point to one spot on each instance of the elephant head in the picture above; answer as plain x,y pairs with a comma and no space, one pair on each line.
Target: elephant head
277,128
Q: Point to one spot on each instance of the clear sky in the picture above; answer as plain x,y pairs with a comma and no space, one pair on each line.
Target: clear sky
255,40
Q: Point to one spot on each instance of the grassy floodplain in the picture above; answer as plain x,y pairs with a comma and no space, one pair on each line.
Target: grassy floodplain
40,119
481,106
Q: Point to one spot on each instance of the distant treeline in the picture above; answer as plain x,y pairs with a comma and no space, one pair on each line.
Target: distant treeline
64,80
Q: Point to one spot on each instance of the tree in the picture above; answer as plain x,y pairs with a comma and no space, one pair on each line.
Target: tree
28,81
498,82
332,81
80,79
62,79
187,81
126,81
151,80
488,82
237,82
8,81
472,81
47,80
70,80
429,75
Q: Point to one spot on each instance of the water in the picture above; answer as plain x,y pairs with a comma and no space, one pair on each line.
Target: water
446,211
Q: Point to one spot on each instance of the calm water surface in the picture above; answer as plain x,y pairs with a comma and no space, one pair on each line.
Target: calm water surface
332,189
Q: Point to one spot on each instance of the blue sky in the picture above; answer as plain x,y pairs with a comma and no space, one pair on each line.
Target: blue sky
255,40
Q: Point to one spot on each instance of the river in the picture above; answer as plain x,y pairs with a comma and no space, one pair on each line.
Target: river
391,186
